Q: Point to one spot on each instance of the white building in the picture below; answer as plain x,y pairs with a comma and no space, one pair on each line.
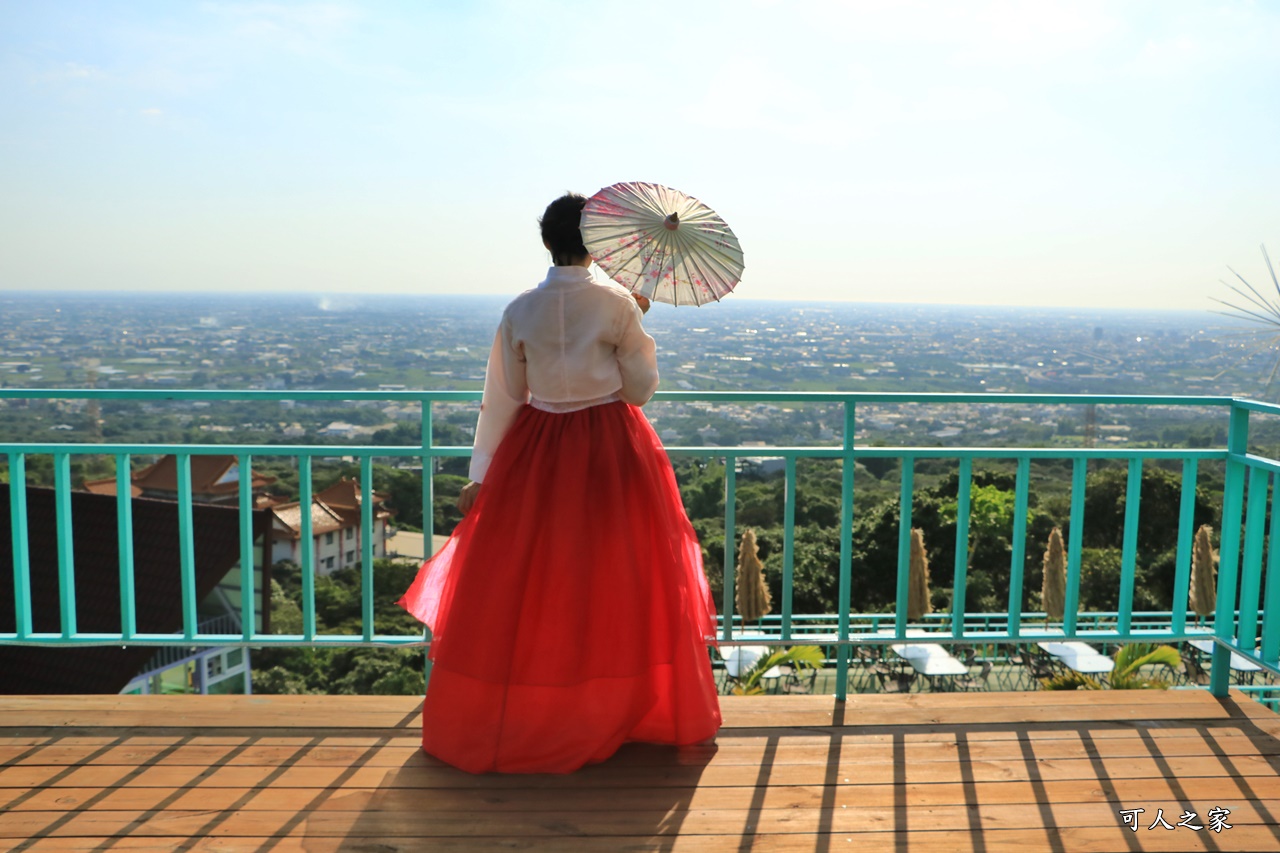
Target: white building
335,528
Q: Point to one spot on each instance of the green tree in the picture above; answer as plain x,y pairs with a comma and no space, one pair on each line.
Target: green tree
1160,498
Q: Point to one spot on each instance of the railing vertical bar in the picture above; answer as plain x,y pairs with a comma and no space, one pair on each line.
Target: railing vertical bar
366,547
124,538
1251,568
904,546
730,542
307,549
186,547
248,588
788,546
1229,550
1129,549
845,593
21,548
66,543
1186,539
428,509
428,483
1271,609
961,576
1075,541
1019,545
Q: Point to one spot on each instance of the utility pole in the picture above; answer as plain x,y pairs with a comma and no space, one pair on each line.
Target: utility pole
1090,424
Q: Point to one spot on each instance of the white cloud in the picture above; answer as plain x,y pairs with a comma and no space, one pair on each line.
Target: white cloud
991,32
72,72
1168,56
303,27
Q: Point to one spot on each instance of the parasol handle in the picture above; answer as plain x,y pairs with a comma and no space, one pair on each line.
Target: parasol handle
672,222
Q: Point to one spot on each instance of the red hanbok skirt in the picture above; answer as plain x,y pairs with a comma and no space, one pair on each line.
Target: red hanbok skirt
569,610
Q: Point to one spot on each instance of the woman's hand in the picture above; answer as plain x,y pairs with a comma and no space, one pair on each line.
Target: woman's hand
467,497
643,302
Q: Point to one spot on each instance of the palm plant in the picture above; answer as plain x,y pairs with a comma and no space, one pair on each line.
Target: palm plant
801,658
1262,312
1071,680
1132,657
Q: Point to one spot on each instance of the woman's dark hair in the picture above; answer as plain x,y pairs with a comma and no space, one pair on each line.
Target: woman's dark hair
560,230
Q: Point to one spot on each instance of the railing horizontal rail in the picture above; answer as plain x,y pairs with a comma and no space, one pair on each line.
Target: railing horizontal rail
1257,406
735,451
703,396
1252,461
857,635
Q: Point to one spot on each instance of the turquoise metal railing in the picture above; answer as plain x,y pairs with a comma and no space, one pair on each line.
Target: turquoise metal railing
1238,624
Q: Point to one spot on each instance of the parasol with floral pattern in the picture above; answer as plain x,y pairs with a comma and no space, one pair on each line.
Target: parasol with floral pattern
661,243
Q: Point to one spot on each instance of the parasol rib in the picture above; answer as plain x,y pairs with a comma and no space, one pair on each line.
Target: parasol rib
1273,308
1270,268
1260,301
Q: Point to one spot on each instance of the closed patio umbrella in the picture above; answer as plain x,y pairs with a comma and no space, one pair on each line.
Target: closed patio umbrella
752,596
1053,591
1203,591
918,603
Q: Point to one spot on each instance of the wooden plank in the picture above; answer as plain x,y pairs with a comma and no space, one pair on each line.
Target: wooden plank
571,822
1175,707
849,770
754,752
146,736
753,711
350,798
225,702
937,772
208,718
878,702
1068,840
1104,730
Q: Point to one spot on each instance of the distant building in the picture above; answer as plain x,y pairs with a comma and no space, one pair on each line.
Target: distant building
214,480
220,585
335,528
340,428
335,512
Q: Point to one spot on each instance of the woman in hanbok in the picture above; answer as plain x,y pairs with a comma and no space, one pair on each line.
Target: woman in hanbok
569,610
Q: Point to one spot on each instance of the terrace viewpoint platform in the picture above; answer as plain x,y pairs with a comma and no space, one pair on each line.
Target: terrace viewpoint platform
946,772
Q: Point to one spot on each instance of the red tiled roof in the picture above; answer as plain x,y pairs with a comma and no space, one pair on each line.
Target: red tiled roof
108,487
162,476
324,519
344,498
206,472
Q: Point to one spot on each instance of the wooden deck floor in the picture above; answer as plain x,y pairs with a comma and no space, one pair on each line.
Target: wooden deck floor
974,772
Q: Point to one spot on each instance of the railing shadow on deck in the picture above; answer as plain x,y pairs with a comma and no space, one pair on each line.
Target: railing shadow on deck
968,775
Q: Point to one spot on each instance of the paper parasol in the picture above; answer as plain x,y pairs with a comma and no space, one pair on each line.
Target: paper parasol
661,243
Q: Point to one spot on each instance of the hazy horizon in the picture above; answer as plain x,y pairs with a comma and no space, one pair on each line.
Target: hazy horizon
355,300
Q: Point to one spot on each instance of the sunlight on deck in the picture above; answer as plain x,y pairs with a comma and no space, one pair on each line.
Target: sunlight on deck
944,772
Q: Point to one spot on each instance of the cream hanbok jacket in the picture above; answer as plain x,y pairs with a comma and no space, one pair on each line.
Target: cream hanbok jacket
569,343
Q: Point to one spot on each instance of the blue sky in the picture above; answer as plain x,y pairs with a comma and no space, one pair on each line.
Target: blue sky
1041,153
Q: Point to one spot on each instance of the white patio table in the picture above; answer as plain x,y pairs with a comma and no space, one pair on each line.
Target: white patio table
739,659
1080,657
929,659
937,664
1238,663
